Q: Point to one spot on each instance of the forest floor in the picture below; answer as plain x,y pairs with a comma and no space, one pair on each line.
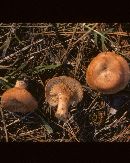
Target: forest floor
45,50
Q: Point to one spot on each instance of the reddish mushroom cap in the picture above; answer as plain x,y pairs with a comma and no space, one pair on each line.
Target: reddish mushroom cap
18,99
108,73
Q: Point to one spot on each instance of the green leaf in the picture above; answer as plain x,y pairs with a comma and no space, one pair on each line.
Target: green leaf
17,38
47,126
99,33
103,44
43,68
21,67
5,46
95,38
5,82
109,30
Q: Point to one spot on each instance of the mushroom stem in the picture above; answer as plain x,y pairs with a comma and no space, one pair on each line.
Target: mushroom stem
65,92
62,109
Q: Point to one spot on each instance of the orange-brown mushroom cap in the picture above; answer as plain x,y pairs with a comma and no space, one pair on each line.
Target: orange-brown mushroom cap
108,73
18,99
63,91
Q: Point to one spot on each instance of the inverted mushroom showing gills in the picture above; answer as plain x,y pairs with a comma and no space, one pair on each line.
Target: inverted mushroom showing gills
63,91
108,73
18,99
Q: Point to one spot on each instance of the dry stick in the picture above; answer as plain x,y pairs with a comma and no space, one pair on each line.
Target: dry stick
5,67
110,125
4,35
71,131
70,42
78,61
61,33
6,44
120,134
3,79
12,136
70,48
59,37
119,33
93,102
66,130
53,46
9,67
6,134
73,137
31,54
25,48
84,35
18,120
30,132
23,26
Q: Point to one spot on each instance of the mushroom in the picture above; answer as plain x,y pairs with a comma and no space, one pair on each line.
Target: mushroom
18,99
108,73
63,91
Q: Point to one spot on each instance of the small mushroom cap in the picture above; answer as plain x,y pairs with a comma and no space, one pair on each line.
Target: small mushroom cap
18,99
67,85
21,84
108,73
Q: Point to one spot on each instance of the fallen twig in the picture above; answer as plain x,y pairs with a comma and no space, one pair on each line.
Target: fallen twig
5,129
